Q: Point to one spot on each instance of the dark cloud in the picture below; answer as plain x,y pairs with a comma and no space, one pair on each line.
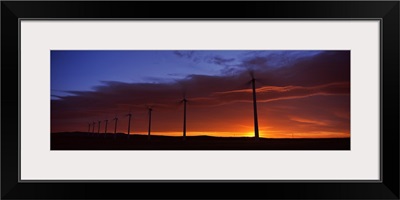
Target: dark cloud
190,55
218,60
256,63
202,57
184,54
268,59
274,93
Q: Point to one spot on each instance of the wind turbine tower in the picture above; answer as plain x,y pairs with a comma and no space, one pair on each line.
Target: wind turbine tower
256,135
253,83
184,117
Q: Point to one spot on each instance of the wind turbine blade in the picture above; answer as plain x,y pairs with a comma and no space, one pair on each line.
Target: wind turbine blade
251,73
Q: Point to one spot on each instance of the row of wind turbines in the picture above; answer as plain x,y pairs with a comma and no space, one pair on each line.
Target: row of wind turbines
91,126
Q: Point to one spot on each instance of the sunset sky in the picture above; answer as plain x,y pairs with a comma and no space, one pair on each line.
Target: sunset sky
300,94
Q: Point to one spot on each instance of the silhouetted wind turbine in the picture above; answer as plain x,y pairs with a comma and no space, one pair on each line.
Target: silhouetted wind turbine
150,109
253,83
115,128
184,100
129,123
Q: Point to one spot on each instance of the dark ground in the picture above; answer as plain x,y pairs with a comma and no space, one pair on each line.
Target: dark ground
89,141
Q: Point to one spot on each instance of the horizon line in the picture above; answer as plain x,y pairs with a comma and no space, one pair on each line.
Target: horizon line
243,136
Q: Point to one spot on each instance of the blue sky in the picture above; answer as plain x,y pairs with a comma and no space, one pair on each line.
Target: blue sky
82,70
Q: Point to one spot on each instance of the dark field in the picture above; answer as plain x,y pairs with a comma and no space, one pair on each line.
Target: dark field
86,141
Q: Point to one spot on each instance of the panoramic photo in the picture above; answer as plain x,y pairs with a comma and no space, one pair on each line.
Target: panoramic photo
200,100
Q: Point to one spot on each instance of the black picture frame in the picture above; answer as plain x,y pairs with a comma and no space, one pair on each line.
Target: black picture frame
386,11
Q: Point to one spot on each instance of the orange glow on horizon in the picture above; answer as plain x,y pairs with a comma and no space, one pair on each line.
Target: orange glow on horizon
263,134
279,119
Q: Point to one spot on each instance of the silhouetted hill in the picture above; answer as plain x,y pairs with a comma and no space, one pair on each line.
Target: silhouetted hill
89,141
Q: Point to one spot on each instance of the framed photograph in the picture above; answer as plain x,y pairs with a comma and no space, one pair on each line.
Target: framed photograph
114,98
